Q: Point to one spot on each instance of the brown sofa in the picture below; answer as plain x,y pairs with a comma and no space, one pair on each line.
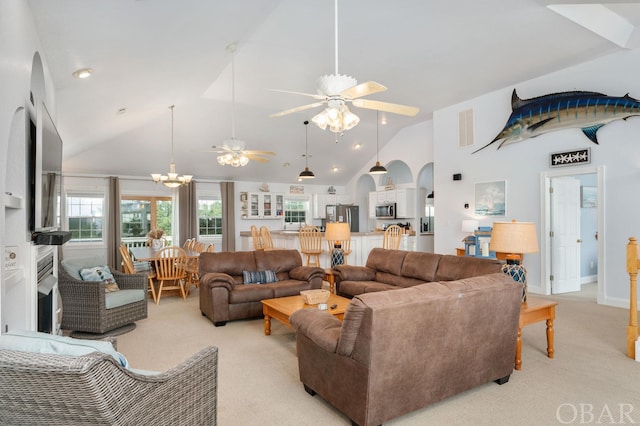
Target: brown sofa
393,269
225,297
398,351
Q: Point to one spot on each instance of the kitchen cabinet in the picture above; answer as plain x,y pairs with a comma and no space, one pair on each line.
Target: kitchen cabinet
321,201
387,196
262,205
405,203
373,200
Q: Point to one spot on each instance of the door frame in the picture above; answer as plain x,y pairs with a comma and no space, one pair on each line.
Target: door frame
545,224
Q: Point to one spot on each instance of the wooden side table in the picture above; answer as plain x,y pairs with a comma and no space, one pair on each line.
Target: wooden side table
330,277
532,311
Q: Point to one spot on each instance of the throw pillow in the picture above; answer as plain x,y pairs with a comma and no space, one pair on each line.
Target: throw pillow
259,277
102,274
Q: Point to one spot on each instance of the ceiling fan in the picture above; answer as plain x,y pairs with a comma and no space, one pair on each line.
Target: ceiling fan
336,90
232,151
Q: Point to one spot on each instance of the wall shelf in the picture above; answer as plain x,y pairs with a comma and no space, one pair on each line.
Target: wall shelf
13,201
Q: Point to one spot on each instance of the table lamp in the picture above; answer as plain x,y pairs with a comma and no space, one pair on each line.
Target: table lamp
515,239
337,232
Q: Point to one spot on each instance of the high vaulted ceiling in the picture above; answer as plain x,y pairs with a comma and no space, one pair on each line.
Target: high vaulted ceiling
150,54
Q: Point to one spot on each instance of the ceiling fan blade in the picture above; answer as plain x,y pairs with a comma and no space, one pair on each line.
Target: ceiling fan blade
259,152
386,106
257,158
364,89
314,96
296,109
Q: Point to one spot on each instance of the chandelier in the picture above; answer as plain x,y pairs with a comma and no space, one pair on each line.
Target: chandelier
171,179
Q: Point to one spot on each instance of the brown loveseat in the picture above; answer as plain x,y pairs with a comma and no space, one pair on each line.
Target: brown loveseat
393,269
224,296
398,351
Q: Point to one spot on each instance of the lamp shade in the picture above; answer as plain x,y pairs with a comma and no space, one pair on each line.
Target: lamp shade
514,237
469,225
337,231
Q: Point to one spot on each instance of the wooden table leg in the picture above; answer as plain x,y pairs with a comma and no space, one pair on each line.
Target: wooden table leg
550,338
518,362
267,325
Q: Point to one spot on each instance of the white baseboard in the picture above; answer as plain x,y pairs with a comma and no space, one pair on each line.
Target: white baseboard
588,279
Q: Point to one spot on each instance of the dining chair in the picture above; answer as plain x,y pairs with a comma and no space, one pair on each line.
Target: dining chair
210,248
311,244
265,235
256,238
392,237
170,266
193,278
131,267
187,244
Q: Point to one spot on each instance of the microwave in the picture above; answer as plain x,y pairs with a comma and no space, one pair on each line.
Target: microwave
386,211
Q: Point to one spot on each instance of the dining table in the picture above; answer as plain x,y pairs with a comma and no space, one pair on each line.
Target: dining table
144,254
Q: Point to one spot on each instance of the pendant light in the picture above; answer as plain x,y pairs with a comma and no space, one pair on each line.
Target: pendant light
378,169
171,179
306,173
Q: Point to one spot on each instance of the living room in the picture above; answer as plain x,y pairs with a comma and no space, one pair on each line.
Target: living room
524,166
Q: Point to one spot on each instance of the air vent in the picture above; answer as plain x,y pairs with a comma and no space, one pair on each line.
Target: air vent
465,128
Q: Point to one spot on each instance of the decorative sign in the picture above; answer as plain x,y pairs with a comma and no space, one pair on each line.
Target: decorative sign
570,158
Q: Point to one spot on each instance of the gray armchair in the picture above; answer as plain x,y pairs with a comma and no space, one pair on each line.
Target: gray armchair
86,307
47,389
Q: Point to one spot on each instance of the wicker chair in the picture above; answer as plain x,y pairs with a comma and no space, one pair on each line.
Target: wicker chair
44,389
84,307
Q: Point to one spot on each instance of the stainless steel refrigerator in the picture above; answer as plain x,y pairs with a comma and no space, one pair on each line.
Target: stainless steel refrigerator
343,213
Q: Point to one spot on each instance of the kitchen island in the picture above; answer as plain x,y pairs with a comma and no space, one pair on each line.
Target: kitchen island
361,244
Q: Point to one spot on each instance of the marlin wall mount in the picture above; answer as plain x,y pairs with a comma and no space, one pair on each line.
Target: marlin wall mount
588,111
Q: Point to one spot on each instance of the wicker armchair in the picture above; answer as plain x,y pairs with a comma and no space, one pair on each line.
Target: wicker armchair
83,303
44,389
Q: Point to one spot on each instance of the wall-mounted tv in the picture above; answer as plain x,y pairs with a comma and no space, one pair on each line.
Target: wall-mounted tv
45,172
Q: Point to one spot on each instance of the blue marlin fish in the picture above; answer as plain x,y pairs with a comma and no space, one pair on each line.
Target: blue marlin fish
585,110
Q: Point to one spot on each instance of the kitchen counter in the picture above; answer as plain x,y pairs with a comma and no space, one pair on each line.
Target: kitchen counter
361,244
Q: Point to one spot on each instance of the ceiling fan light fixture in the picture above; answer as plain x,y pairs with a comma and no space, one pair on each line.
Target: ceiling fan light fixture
337,118
171,179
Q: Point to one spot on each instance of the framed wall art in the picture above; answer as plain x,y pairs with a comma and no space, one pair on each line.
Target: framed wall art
491,198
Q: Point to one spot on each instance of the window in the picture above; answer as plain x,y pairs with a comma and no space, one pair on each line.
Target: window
209,216
295,210
139,215
84,215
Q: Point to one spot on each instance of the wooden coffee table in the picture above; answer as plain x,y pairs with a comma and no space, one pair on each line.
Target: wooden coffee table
281,308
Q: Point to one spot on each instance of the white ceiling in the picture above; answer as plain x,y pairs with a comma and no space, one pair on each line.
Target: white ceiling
150,54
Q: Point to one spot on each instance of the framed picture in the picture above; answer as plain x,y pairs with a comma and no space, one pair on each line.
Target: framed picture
491,198
588,196
296,189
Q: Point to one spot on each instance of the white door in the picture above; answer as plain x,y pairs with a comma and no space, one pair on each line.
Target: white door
565,235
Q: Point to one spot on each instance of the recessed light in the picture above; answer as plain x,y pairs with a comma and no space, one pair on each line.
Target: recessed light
334,169
357,146
121,110
83,73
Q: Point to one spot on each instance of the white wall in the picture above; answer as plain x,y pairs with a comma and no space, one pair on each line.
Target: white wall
522,163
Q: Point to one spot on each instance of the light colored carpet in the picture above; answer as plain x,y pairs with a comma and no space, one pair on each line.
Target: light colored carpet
259,383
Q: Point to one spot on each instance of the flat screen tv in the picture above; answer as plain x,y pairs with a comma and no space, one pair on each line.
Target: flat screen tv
45,172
